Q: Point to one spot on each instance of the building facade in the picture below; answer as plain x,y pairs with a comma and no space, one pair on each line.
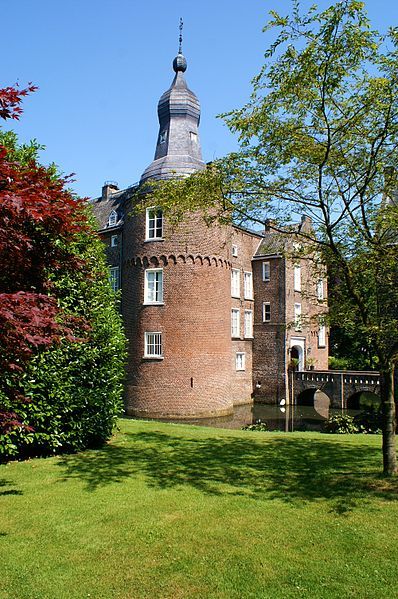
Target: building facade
214,315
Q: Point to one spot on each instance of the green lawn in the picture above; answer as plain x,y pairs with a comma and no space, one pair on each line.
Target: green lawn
179,511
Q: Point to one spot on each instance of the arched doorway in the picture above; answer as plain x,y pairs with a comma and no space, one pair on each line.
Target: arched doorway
297,357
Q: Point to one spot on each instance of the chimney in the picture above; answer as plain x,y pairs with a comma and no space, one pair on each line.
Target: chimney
306,223
108,188
269,223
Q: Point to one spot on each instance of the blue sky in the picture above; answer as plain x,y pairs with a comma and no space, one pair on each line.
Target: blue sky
102,65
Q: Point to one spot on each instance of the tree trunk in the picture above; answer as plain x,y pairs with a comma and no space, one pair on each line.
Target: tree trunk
389,420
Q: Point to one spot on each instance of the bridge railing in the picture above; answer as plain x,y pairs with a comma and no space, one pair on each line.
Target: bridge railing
350,377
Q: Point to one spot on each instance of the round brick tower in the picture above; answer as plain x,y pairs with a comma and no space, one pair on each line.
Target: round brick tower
177,303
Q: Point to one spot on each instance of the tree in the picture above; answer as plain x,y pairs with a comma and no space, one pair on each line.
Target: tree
61,342
318,136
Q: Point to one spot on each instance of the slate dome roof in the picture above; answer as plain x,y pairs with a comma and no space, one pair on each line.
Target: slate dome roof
178,151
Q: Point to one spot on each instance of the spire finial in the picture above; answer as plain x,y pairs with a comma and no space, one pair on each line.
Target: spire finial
180,37
179,63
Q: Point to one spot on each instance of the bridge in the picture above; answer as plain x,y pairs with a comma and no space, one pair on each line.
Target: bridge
341,386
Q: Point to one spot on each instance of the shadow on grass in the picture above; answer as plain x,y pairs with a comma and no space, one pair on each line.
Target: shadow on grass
284,468
5,483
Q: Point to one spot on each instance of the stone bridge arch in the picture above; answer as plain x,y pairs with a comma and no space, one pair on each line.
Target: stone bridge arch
338,385
363,399
315,398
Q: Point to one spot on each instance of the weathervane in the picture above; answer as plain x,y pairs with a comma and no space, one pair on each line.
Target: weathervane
180,38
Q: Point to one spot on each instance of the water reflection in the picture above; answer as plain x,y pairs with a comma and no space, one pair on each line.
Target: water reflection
278,418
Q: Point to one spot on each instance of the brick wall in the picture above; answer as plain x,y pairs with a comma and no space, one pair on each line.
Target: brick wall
269,359
113,254
242,381
311,309
273,340
193,379
197,375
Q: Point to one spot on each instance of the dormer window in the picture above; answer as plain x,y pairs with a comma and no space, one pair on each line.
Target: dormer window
112,220
162,137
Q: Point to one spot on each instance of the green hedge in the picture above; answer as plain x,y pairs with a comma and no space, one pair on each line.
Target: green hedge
74,389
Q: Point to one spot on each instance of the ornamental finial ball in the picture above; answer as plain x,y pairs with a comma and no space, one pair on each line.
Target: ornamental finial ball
180,63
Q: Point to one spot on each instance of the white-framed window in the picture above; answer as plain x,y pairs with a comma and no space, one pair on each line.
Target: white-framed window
297,277
266,271
248,285
235,322
114,277
162,137
153,286
234,251
114,241
240,360
153,345
112,219
297,317
320,293
154,223
266,312
235,282
322,335
248,324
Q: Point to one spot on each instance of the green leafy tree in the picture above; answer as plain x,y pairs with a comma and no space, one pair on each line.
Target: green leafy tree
74,388
62,346
318,136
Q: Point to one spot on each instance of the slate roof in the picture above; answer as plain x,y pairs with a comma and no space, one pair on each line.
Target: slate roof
272,243
178,151
102,208
278,243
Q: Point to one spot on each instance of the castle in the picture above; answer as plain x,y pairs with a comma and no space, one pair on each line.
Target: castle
215,315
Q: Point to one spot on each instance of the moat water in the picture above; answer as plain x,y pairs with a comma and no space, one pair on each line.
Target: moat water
277,418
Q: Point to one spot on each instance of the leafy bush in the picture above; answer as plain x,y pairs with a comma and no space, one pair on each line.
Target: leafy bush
340,424
259,425
338,363
74,389
369,421
62,347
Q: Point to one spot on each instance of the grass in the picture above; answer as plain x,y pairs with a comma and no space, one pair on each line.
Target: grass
187,512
